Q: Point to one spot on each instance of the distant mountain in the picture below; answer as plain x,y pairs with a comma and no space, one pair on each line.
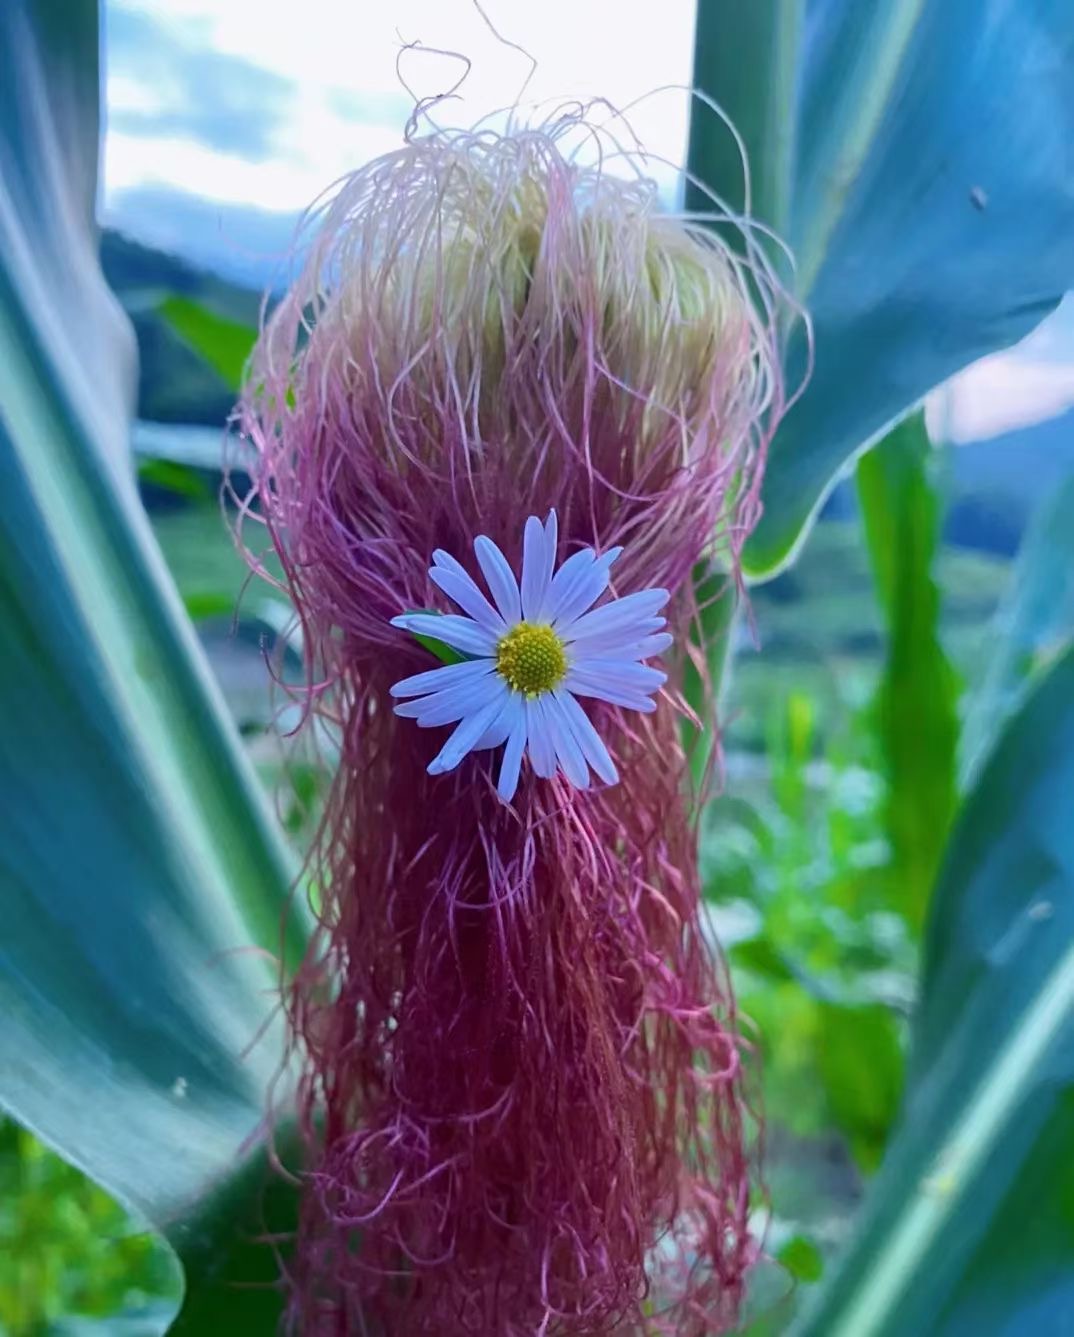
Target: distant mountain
246,244
175,384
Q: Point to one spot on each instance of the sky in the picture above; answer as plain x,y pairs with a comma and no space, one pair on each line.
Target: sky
226,118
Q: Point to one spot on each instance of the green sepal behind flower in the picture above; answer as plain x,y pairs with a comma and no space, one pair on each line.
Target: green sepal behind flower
445,653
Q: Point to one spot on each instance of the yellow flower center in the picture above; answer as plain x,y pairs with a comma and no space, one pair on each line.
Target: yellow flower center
531,658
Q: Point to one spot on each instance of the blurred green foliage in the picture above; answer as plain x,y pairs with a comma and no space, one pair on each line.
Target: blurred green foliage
224,344
1034,625
65,1246
178,381
841,739
916,718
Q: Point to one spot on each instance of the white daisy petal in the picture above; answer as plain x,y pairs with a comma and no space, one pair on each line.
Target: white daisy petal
615,642
538,558
646,647
457,585
568,752
541,748
452,704
497,733
551,541
586,684
500,577
467,732
617,615
591,743
512,753
564,580
448,675
584,590
622,673
461,633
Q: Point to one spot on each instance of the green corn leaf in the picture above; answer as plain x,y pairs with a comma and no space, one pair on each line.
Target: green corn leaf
232,1273
711,638
931,223
916,703
970,1224
141,873
746,57
224,344
179,479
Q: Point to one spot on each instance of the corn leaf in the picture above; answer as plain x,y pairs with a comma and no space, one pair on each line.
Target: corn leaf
141,874
915,154
969,1226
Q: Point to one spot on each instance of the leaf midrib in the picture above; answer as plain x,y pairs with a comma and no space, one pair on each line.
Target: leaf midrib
844,155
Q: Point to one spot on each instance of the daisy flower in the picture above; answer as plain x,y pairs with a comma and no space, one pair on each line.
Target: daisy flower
531,652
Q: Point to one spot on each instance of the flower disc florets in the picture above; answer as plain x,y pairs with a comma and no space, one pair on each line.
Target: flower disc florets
531,659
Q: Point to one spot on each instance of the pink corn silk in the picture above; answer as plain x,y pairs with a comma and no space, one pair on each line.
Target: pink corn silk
522,1078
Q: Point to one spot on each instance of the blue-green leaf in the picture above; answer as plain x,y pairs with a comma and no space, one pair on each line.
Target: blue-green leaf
970,1224
1034,624
142,878
747,57
916,156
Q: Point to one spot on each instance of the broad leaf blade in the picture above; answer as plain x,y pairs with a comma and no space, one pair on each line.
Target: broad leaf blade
140,869
971,1220
1034,624
746,57
928,203
916,715
232,1253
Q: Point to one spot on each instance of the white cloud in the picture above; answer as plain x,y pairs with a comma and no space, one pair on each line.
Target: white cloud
341,56
285,183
